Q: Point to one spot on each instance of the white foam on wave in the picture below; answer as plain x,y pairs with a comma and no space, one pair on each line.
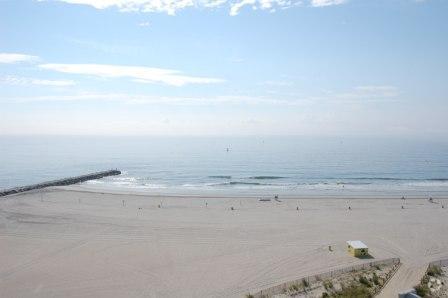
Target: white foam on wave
330,186
134,183
154,186
429,183
94,182
125,179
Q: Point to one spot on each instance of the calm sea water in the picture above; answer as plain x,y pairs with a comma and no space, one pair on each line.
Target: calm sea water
240,165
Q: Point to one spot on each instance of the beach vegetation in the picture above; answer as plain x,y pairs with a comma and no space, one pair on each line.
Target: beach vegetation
305,283
422,290
434,271
353,291
364,281
293,288
249,296
375,279
328,285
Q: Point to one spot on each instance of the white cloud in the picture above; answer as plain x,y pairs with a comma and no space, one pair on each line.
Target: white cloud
360,95
168,6
384,91
12,80
368,93
172,6
269,5
235,8
144,24
320,3
136,73
10,58
211,3
152,99
143,99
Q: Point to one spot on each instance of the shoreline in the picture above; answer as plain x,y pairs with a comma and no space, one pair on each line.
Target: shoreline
242,195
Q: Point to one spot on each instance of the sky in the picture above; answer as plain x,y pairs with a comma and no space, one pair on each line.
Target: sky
220,67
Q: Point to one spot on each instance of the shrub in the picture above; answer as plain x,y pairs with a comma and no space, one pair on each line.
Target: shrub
375,279
328,285
363,280
293,288
354,291
434,271
249,296
325,295
425,280
422,290
305,283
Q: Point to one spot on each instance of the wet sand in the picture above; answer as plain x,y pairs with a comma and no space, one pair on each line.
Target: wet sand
75,243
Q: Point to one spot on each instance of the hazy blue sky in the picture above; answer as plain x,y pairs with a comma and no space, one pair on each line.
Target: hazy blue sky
180,67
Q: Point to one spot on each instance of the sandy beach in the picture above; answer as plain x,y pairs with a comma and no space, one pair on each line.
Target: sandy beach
69,242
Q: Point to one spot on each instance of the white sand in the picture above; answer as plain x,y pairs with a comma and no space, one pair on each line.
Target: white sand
85,244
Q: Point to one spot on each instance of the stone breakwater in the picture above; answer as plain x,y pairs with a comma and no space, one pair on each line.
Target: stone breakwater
60,182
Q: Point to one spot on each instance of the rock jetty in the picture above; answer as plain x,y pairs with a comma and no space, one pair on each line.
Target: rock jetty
60,182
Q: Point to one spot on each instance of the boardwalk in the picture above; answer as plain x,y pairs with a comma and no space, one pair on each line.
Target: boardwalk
405,278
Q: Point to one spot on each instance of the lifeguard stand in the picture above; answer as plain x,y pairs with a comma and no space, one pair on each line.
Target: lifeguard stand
357,248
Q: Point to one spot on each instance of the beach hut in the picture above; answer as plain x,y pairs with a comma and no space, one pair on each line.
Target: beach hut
357,249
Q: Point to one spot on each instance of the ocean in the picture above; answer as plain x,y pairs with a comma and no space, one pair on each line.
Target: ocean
287,166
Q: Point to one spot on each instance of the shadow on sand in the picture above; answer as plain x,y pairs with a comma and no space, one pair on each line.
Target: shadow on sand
366,257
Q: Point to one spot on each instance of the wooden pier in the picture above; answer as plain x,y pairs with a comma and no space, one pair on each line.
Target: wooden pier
60,182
